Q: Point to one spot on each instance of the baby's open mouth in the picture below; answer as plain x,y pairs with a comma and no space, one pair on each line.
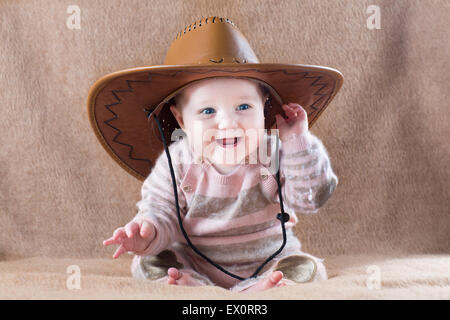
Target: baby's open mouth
228,142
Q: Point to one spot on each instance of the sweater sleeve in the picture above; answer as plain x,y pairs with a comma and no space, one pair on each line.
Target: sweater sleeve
158,205
307,178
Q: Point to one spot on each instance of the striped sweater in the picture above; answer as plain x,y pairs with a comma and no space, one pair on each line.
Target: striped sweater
231,217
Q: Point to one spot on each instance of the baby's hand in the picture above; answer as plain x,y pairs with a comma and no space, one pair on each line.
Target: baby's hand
134,237
296,123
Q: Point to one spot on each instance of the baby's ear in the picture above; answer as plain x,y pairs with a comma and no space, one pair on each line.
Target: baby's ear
177,114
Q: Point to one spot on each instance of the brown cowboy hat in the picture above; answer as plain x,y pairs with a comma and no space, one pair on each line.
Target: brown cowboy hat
121,104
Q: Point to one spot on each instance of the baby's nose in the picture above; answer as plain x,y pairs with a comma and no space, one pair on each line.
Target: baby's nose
227,121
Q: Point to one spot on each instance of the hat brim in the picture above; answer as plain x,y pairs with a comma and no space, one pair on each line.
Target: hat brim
119,103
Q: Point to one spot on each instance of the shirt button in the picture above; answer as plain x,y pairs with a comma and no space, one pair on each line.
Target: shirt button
187,189
264,176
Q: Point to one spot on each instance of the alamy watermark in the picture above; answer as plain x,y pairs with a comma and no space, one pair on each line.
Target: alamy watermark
74,20
374,20
373,282
73,281
255,145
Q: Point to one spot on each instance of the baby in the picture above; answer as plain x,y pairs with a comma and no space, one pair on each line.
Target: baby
228,206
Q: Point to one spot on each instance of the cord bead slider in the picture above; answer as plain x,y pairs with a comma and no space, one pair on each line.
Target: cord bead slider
283,217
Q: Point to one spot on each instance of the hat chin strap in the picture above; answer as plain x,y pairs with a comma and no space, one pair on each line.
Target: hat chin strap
283,216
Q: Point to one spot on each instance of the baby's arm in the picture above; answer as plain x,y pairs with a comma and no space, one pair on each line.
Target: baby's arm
309,180
155,226
305,170
158,204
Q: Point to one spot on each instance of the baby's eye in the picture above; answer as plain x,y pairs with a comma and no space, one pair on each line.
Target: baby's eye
244,106
207,111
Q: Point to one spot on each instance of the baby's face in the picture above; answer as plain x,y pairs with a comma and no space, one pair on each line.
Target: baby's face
222,117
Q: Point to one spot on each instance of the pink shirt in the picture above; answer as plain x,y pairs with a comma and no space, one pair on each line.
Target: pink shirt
231,218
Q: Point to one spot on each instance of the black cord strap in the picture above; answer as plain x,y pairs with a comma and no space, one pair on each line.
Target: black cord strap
283,216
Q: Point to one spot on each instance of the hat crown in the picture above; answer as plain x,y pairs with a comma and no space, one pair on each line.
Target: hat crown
210,41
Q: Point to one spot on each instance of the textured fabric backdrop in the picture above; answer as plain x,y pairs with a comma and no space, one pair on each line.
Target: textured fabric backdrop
387,131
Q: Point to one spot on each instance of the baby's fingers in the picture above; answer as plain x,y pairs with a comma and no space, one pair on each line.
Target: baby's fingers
119,234
280,120
117,237
289,111
120,250
131,229
146,229
111,241
298,111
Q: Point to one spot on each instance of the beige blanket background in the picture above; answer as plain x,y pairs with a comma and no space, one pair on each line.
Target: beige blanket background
387,133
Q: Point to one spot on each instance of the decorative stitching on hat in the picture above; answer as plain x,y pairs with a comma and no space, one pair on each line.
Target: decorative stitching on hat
194,25
317,92
234,60
119,132
219,61
237,61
